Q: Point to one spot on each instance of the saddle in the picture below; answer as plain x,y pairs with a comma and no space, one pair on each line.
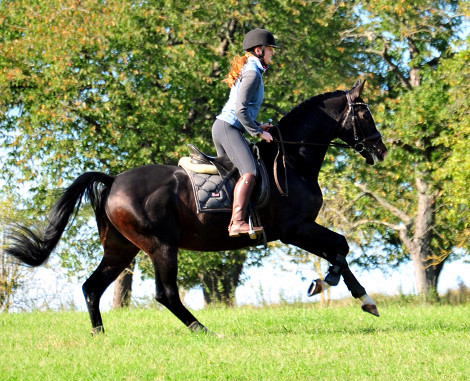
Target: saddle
214,178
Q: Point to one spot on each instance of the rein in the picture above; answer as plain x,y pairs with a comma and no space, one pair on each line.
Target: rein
302,143
359,146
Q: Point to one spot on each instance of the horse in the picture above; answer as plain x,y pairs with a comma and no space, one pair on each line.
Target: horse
152,208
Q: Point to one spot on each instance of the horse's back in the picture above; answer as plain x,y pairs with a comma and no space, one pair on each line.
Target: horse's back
146,178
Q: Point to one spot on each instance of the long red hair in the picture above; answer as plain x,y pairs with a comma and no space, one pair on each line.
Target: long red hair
237,65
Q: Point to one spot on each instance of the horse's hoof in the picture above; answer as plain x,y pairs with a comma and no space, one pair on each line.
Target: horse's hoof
315,287
197,327
96,331
370,308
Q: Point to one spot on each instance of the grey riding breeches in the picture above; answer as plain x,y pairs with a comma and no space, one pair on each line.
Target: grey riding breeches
229,140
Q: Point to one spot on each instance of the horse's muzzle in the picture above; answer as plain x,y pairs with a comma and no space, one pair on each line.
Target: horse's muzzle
377,153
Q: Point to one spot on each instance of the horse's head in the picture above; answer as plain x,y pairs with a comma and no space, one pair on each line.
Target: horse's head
358,127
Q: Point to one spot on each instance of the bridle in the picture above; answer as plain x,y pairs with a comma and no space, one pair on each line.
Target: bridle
359,145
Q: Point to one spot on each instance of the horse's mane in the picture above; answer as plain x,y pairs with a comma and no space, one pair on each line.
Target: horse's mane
309,104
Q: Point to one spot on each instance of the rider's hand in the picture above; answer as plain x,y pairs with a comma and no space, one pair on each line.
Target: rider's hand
266,126
266,136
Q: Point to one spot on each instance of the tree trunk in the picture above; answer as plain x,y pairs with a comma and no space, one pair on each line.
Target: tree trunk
219,284
427,267
416,234
324,300
415,71
426,275
123,287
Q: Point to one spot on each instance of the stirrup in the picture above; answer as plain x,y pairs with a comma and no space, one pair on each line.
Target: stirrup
252,231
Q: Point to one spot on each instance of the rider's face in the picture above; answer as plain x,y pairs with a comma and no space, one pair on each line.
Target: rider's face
268,53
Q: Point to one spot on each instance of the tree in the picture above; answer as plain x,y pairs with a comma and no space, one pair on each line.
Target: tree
15,280
110,85
123,287
405,203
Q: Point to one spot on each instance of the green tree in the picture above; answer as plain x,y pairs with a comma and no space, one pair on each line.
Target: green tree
110,85
15,280
406,205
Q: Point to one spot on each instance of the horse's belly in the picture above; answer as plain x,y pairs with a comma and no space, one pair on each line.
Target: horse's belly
211,234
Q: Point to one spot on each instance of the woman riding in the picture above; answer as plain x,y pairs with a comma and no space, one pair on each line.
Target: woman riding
238,116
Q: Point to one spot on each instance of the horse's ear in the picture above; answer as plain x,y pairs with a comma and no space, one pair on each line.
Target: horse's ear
357,89
357,83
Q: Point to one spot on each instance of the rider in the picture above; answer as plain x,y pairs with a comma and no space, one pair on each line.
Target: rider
245,80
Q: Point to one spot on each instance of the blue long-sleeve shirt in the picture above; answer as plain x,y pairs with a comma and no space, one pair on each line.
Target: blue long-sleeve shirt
246,96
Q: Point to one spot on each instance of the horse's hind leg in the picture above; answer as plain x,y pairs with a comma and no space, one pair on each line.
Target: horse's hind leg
118,254
353,285
165,263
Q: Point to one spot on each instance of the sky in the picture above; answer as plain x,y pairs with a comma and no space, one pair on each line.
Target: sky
269,284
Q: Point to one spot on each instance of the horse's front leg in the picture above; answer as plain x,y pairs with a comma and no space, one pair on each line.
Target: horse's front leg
334,248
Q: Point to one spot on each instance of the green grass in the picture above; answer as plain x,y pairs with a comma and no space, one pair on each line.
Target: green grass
302,342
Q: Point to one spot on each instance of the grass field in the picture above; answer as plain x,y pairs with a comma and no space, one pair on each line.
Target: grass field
302,342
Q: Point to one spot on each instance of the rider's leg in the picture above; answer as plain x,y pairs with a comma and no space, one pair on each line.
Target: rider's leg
218,136
241,198
230,139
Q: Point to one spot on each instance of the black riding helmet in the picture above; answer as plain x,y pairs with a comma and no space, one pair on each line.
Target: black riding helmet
259,37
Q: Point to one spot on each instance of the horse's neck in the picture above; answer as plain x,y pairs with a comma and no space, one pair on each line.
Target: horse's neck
318,125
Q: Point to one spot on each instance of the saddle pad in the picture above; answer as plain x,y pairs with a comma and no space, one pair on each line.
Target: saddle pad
186,162
208,196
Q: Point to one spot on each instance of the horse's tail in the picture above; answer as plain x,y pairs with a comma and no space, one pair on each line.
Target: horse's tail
28,247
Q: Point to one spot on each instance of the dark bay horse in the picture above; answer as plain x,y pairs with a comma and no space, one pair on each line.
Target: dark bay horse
152,208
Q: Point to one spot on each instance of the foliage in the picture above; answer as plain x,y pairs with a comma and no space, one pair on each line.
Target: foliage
110,85
15,280
415,126
114,85
407,204
454,172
